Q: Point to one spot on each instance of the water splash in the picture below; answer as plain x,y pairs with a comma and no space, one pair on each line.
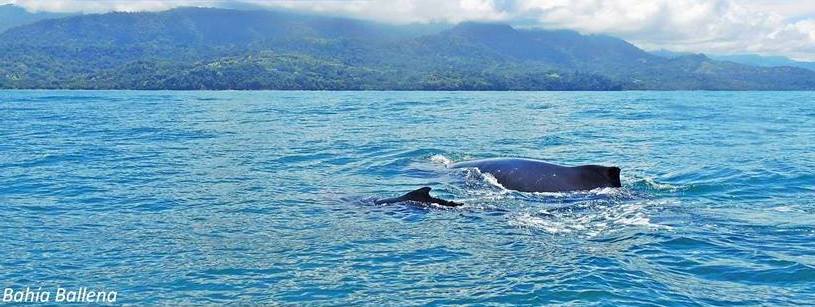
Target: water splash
590,219
438,158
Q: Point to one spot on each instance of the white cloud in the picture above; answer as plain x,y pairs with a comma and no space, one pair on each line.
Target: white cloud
782,27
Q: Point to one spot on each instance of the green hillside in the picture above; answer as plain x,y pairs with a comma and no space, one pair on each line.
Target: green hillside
206,48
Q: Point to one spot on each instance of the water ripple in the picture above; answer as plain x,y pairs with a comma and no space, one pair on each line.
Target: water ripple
268,197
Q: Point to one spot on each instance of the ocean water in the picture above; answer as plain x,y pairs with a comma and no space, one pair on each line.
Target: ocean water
267,197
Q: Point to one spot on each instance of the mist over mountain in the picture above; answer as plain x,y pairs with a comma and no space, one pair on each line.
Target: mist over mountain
208,48
14,16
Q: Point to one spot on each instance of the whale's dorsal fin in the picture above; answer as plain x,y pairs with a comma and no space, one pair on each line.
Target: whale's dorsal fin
614,175
421,195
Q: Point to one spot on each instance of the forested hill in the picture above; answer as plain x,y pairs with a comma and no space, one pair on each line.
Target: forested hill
207,48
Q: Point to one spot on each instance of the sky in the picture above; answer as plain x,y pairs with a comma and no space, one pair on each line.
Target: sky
767,27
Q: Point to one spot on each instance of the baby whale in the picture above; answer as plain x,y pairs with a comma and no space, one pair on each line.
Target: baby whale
529,175
421,195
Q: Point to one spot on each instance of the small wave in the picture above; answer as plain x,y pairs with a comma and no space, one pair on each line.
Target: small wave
660,186
785,209
649,183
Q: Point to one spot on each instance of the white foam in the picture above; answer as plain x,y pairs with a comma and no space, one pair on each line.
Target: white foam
598,191
491,180
441,159
784,209
527,220
593,221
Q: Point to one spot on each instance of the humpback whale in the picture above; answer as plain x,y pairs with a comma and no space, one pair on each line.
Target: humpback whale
421,195
529,175
526,175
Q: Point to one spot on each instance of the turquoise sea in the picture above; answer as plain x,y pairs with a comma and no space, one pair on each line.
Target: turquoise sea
267,197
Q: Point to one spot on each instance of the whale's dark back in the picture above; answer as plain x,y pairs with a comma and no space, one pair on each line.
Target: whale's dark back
614,176
601,176
528,175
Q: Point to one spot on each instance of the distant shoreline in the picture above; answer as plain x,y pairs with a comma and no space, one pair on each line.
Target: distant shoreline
388,90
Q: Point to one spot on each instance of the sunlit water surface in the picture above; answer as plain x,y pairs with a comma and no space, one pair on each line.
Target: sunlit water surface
267,197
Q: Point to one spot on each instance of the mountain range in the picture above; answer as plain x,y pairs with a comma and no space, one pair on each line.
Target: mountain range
211,48
747,59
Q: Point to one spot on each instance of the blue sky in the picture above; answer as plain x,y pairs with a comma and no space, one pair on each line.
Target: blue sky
780,27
